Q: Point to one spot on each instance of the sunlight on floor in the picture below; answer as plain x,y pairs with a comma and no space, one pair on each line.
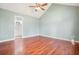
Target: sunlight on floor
18,46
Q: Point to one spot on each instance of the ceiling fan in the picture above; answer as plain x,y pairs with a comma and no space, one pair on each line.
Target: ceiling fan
39,6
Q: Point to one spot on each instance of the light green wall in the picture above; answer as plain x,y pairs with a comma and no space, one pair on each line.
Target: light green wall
76,26
59,21
30,26
6,25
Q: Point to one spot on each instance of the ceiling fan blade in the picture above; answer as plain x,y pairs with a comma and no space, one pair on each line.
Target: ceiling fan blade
45,4
32,6
42,8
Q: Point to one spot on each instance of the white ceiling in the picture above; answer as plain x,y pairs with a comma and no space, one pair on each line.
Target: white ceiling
23,9
70,4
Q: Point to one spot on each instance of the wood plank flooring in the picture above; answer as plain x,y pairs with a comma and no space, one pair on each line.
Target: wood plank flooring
40,45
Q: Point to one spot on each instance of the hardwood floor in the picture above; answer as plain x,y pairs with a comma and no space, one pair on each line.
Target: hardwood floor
76,47
6,48
40,45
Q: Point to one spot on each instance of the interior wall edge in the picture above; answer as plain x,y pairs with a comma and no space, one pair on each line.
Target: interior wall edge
57,37
30,36
39,35
22,37
43,36
77,41
6,40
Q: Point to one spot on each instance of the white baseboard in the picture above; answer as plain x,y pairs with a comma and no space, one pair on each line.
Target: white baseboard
30,36
22,37
72,40
77,41
7,40
59,38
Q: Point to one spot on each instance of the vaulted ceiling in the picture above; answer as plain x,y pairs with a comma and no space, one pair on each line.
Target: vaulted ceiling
24,9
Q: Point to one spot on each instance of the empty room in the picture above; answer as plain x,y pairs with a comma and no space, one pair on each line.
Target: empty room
39,29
